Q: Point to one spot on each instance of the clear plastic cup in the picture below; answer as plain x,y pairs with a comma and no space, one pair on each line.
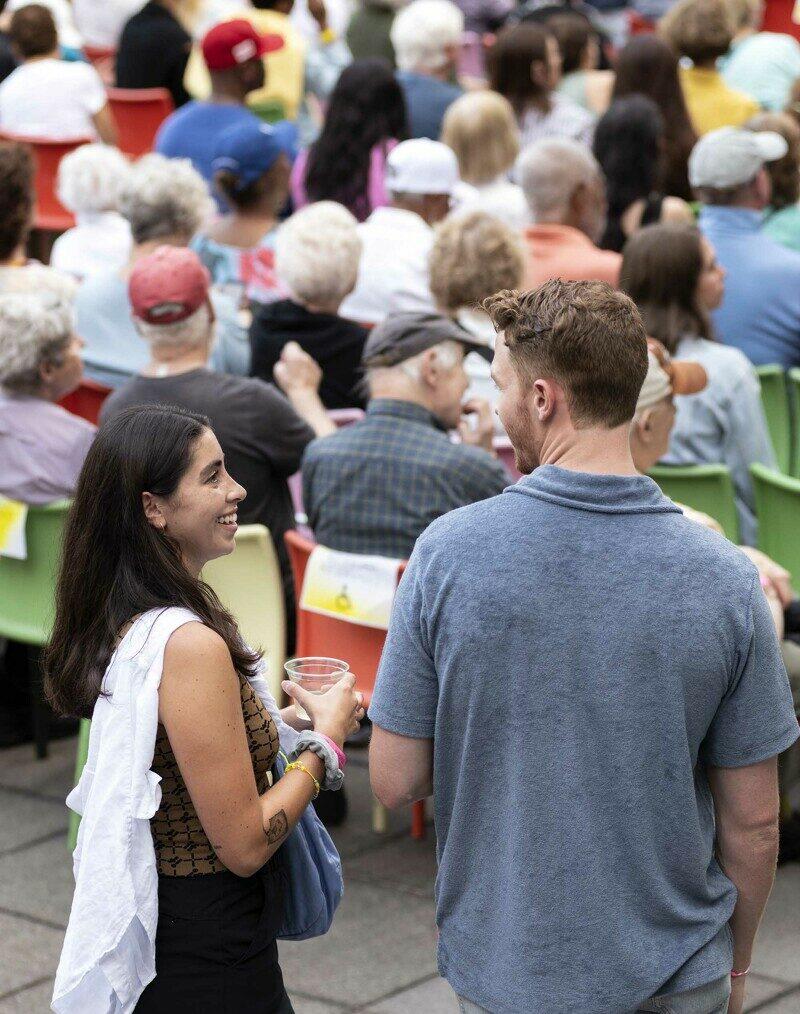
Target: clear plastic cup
312,673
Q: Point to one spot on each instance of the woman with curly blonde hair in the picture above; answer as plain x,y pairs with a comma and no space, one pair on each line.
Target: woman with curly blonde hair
474,255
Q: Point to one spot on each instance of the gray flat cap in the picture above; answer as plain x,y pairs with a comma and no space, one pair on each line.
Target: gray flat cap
402,336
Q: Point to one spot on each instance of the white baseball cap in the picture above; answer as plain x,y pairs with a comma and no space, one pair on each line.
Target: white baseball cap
421,166
730,157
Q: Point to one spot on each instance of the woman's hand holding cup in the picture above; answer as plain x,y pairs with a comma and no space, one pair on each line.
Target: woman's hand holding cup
336,712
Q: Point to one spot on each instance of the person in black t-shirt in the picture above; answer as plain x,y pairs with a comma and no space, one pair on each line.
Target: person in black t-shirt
317,253
260,430
154,50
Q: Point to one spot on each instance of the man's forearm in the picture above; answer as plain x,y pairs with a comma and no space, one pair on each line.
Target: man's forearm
749,861
308,406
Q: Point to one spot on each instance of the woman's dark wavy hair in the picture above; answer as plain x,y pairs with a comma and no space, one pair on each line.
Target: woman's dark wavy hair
115,565
627,146
661,266
16,196
648,66
366,107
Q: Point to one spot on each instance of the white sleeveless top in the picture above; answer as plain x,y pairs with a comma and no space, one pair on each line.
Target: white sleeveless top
108,955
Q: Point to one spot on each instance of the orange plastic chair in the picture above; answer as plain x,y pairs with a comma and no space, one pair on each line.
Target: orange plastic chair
360,646
138,113
49,214
86,400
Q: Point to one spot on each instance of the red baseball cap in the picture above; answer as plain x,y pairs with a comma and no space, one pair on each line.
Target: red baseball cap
234,42
168,285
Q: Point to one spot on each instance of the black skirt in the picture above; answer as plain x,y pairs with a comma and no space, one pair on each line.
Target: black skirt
215,945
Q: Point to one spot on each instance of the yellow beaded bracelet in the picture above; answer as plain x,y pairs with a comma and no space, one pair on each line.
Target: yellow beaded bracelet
299,766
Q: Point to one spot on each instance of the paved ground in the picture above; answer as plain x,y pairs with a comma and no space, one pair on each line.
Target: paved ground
378,959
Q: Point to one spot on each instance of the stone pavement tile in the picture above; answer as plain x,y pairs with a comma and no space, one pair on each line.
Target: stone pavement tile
51,777
760,989
302,1006
35,1000
786,1005
29,952
38,881
404,863
433,997
381,941
26,819
778,940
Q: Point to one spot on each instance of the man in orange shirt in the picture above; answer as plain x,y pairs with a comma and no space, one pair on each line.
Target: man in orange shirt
565,191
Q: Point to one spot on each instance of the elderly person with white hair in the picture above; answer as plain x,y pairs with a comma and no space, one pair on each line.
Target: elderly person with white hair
316,259
42,446
165,201
421,176
565,190
90,181
426,37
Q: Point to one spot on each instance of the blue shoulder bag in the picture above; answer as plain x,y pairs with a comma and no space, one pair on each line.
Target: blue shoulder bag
314,876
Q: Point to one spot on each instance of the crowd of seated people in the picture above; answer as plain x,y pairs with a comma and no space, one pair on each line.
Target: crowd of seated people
318,228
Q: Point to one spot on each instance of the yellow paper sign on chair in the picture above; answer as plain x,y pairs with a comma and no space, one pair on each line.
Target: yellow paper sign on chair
13,516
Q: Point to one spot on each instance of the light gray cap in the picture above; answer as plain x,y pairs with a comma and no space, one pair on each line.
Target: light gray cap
730,157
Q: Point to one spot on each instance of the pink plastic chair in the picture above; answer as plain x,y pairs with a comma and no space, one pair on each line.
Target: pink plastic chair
505,452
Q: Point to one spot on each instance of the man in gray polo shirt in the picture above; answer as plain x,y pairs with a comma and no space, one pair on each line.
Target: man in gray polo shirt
591,686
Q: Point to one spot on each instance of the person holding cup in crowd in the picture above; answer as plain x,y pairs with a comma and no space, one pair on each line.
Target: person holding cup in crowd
143,646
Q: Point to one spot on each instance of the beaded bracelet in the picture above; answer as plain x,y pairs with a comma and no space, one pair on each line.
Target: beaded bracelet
738,975
300,766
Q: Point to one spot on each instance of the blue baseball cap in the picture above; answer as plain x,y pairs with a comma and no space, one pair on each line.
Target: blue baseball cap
250,149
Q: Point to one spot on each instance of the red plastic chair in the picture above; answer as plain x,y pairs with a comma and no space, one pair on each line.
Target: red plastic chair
138,113
49,213
103,59
360,646
86,400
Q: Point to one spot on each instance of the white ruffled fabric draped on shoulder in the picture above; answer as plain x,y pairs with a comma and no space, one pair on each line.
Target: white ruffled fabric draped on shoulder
108,955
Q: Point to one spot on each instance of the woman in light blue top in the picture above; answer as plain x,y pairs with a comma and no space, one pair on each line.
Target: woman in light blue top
671,273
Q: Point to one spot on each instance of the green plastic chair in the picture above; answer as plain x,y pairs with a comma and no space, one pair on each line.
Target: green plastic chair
27,600
707,488
793,378
248,583
778,511
774,398
80,763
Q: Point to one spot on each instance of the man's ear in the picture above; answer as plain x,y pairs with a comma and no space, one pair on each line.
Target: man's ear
153,512
544,398
429,368
644,425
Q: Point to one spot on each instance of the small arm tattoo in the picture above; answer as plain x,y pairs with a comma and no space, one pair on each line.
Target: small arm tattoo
278,828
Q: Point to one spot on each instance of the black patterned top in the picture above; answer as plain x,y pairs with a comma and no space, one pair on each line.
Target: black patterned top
182,847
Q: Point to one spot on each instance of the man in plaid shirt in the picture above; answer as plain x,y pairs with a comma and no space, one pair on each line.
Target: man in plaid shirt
376,485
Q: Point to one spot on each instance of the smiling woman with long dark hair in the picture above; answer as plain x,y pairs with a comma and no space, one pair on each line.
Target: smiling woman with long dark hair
365,119
184,878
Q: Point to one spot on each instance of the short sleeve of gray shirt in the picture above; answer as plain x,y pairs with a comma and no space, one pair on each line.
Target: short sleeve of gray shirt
752,722
407,691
